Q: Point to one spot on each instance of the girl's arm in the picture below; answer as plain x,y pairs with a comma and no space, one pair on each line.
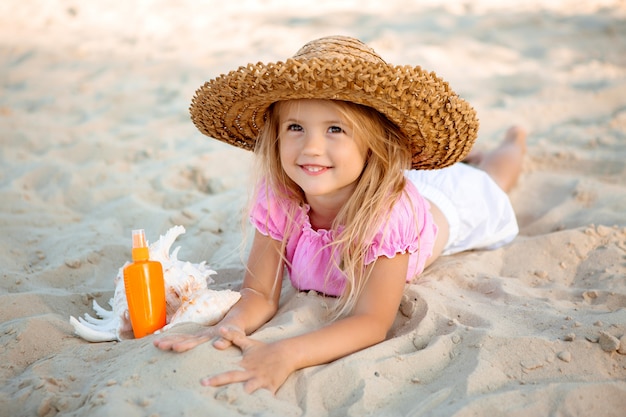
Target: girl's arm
260,293
269,365
368,324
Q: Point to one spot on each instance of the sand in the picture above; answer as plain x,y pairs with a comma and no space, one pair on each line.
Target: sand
96,141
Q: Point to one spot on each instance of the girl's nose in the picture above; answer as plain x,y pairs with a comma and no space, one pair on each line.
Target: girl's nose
314,144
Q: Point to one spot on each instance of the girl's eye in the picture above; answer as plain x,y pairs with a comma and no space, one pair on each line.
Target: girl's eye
335,129
294,127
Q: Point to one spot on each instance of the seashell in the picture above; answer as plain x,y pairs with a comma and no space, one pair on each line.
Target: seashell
187,296
205,307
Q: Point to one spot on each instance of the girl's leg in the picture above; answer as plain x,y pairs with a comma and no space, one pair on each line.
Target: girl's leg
504,164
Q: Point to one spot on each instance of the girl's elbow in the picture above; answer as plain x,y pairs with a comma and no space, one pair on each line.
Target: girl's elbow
378,338
273,309
379,332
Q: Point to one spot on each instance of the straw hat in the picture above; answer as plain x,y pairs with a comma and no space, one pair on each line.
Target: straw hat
441,126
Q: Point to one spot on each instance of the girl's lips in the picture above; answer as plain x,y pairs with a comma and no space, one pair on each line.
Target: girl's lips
314,169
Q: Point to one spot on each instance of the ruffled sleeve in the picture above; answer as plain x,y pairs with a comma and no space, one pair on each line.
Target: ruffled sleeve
410,229
268,214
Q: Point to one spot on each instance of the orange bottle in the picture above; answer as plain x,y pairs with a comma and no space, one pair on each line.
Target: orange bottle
145,289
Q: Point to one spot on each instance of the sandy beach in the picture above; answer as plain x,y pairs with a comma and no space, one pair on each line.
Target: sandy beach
96,141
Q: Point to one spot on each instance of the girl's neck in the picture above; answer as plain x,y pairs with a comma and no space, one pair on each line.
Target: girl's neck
320,221
324,208
322,213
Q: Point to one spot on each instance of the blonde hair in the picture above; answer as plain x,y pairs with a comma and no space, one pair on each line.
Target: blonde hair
380,185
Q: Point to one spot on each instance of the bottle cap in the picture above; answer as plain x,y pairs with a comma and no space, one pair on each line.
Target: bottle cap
140,250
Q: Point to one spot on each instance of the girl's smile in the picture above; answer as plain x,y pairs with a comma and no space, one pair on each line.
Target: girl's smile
314,169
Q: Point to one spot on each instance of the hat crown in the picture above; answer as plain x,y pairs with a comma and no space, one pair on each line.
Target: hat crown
341,47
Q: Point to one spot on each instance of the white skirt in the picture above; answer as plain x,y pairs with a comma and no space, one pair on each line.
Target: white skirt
479,213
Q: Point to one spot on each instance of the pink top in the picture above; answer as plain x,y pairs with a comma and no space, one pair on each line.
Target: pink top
308,255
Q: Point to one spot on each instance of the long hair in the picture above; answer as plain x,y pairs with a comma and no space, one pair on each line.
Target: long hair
379,186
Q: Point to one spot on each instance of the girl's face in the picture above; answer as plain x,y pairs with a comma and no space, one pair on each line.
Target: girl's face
318,150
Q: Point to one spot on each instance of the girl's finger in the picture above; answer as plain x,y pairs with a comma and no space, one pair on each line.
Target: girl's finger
178,343
222,343
254,384
235,336
225,378
189,343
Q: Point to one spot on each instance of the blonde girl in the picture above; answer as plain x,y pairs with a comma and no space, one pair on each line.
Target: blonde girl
359,190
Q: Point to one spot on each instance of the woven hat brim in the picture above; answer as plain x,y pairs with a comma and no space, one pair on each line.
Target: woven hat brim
441,126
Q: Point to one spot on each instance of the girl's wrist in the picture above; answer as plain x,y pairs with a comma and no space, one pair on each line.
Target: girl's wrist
292,357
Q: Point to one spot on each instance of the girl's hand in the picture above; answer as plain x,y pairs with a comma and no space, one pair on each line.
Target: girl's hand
264,365
260,293
184,342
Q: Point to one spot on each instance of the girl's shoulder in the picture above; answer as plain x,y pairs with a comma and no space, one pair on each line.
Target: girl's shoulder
409,227
410,206
270,213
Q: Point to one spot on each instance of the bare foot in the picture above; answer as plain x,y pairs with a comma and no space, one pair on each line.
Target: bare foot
475,157
504,164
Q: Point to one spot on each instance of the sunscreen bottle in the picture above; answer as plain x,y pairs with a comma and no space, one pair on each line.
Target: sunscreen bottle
145,289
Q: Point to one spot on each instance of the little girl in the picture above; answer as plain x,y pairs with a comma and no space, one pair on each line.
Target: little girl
359,190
